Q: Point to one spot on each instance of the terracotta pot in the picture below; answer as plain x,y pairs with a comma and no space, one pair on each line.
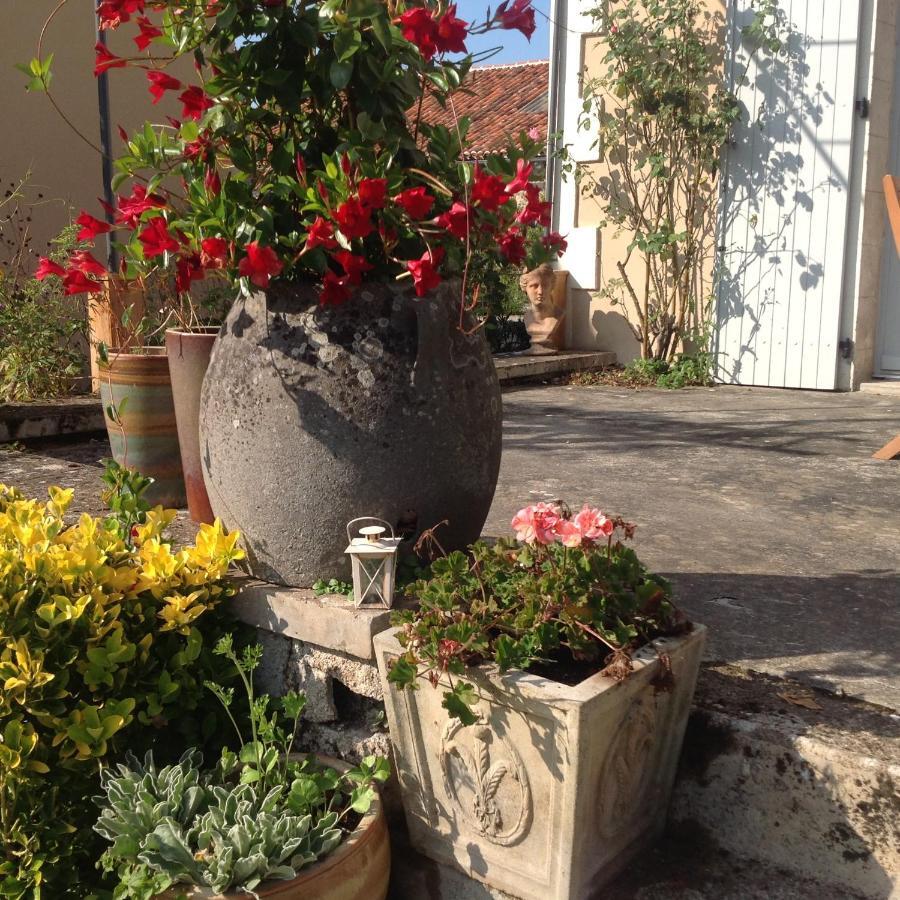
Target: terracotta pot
188,353
311,416
359,869
145,437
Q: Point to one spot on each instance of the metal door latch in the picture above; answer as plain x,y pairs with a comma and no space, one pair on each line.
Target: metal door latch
862,107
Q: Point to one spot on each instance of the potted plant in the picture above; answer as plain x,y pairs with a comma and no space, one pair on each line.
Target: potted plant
567,674
299,167
262,821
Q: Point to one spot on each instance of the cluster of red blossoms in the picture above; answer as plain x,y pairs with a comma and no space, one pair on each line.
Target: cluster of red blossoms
360,207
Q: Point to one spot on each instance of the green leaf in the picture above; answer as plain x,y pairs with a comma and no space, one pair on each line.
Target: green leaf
362,798
346,43
340,73
459,702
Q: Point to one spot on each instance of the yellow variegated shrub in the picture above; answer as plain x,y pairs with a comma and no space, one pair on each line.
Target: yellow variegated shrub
104,646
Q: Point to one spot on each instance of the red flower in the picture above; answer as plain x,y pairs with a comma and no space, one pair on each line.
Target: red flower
373,192
555,241
148,31
105,60
519,16
188,269
91,228
47,267
416,201
133,207
212,182
451,32
419,28
424,271
300,166
512,246
522,178
201,147
353,219
84,262
76,282
456,220
334,289
112,13
320,234
488,191
214,252
534,211
157,239
160,83
353,265
194,102
260,264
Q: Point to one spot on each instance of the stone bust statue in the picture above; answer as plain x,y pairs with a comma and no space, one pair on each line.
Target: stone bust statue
543,318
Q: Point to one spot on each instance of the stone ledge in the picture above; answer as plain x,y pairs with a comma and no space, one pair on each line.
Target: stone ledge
514,368
330,621
886,387
49,418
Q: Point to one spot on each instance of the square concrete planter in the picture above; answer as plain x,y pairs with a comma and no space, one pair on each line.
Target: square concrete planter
556,786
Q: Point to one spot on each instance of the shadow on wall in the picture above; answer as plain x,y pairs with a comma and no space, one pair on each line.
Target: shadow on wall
770,180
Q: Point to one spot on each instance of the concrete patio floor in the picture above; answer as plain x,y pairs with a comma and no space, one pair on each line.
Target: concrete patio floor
763,506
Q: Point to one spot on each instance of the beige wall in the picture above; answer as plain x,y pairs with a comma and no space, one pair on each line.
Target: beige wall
64,169
596,322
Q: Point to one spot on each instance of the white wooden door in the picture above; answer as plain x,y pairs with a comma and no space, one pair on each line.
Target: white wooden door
887,343
784,199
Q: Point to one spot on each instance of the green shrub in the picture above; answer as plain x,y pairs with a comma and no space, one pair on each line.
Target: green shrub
41,329
106,637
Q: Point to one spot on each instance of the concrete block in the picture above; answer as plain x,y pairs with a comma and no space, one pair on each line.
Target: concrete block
51,418
555,787
331,622
512,369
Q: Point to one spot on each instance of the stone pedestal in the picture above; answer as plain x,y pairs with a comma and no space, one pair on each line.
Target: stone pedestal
323,647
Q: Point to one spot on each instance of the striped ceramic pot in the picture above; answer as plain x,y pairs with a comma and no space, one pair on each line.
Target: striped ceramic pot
136,391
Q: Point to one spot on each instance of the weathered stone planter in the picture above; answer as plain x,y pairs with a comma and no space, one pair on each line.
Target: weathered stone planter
311,416
557,786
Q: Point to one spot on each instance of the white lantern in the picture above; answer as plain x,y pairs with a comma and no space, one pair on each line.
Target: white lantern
374,560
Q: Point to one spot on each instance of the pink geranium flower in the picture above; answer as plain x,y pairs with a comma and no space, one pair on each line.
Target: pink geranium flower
568,533
592,524
537,523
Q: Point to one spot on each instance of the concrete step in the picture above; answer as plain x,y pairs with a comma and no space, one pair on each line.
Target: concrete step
797,778
517,368
50,418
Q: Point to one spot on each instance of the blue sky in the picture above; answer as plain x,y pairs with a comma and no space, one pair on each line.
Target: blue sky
514,46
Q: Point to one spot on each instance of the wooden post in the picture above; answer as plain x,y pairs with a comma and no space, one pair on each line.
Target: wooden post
105,315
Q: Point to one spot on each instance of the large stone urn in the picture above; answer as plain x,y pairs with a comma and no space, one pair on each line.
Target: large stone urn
312,416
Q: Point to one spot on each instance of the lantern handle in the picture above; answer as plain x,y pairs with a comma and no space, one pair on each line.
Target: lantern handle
368,519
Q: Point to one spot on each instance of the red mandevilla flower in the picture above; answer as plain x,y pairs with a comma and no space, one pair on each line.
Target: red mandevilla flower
451,32
457,220
76,282
147,34
519,16
194,102
555,242
47,267
133,207
160,82
91,227
488,191
105,60
320,234
84,262
535,210
424,271
214,252
112,13
419,28
156,238
212,183
334,289
353,265
416,201
372,192
521,180
353,219
512,246
187,269
260,264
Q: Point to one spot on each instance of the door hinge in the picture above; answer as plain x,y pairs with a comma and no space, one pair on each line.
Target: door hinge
862,107
846,348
